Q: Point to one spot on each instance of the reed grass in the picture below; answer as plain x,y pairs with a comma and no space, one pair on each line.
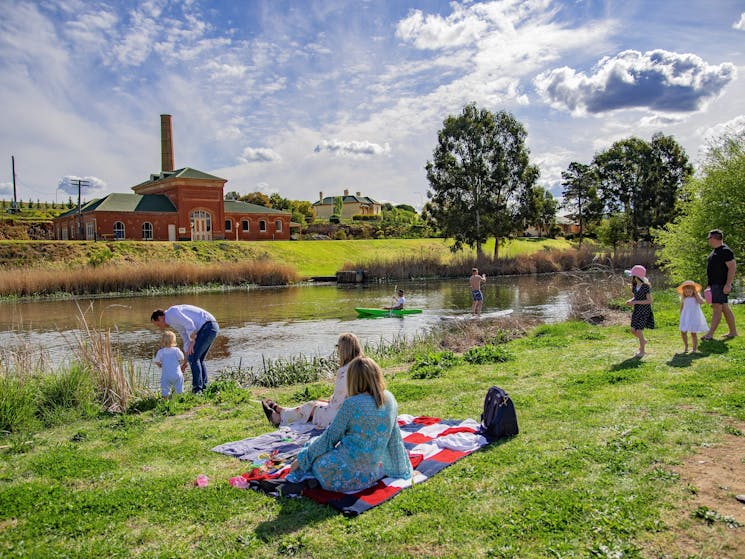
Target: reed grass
116,380
117,278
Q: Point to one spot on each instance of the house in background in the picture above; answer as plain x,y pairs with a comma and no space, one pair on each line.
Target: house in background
351,205
176,205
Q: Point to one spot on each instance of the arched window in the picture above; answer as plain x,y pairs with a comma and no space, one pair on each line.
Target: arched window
147,231
245,225
228,225
278,225
262,226
118,230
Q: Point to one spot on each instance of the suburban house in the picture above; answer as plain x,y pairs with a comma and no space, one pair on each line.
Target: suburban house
351,205
175,205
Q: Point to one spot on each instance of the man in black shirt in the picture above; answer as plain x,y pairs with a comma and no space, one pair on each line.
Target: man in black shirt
720,272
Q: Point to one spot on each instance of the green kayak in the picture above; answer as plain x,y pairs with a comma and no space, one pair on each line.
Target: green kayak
386,312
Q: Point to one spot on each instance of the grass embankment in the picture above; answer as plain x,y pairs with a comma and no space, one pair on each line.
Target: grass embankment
593,473
85,267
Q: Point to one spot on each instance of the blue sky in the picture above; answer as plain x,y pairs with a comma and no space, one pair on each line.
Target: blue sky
302,97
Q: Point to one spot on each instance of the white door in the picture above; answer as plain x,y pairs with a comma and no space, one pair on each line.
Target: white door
171,231
201,226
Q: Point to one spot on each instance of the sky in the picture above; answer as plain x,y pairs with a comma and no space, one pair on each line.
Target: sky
306,97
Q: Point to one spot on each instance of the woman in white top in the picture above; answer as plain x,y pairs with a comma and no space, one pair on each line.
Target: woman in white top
319,412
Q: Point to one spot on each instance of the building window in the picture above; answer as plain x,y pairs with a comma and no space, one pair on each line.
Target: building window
244,225
262,226
147,231
118,230
278,225
228,225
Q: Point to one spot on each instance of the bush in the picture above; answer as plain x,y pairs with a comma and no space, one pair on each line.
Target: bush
487,354
17,404
335,219
67,390
340,235
433,365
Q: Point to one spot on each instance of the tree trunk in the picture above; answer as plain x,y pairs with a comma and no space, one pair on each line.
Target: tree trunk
496,248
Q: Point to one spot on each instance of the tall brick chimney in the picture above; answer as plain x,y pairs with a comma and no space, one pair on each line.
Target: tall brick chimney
166,143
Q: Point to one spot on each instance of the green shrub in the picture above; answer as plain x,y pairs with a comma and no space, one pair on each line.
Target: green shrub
17,404
433,365
487,354
68,389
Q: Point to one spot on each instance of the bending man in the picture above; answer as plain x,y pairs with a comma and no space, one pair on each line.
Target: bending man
198,329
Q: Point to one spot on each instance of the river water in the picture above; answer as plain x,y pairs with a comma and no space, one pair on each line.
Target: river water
275,322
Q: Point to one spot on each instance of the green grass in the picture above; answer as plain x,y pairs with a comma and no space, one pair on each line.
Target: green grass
590,475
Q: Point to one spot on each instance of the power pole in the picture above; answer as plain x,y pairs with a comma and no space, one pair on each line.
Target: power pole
80,184
14,205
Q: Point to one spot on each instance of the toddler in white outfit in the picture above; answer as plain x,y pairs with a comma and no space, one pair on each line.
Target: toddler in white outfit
171,361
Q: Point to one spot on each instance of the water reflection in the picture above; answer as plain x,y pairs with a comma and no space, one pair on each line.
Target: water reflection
278,322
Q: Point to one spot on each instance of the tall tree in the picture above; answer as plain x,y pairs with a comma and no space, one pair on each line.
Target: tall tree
714,199
642,179
580,196
258,198
478,171
547,213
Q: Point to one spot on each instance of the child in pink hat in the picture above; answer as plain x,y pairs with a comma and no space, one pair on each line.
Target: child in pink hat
642,316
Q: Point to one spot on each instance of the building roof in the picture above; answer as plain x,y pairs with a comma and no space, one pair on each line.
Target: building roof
119,202
349,199
184,173
238,207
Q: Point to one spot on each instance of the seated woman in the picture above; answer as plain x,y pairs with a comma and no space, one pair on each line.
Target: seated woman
319,412
363,442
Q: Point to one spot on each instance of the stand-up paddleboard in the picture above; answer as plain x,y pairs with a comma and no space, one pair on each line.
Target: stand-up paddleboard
494,314
368,313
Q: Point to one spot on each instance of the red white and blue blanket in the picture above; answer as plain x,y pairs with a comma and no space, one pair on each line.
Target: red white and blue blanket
432,443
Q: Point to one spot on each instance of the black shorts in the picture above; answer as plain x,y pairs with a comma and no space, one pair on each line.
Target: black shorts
718,296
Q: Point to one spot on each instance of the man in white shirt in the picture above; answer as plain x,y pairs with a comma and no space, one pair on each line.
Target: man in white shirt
198,329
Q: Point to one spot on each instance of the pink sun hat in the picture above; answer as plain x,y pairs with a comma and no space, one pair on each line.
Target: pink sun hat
639,271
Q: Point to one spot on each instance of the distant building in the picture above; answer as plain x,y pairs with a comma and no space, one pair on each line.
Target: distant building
176,205
351,205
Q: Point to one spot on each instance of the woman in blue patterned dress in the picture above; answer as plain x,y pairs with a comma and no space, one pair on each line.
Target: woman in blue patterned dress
363,443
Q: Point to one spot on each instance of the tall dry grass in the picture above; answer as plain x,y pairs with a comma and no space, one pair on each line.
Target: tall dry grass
115,278
117,382
429,266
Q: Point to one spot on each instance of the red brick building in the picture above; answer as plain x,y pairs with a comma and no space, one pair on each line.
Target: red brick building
175,205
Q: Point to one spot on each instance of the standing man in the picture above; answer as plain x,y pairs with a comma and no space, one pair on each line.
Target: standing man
720,272
477,297
198,329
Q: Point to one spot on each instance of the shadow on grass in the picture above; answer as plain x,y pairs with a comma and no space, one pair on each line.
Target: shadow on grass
295,513
715,347
626,364
681,360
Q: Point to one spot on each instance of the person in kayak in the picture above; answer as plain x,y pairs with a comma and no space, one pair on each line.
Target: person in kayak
400,302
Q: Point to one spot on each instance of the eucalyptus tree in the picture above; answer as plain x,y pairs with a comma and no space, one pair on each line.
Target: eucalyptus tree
478,171
643,180
580,196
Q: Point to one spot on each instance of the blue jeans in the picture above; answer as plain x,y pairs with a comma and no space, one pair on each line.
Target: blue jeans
206,335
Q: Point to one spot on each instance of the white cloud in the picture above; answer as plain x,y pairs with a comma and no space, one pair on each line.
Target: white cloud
259,155
88,185
732,127
6,189
464,26
740,24
353,148
657,80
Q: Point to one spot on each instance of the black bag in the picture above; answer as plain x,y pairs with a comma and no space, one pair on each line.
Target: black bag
499,418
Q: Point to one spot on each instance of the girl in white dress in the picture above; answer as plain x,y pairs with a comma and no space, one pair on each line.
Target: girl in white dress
692,318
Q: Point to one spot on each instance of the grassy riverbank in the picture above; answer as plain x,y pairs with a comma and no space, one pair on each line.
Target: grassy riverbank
310,258
600,468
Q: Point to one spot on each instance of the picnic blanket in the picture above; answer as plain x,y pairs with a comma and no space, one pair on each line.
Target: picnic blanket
432,443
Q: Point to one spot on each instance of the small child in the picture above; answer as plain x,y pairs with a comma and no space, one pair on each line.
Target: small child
642,316
171,360
692,318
